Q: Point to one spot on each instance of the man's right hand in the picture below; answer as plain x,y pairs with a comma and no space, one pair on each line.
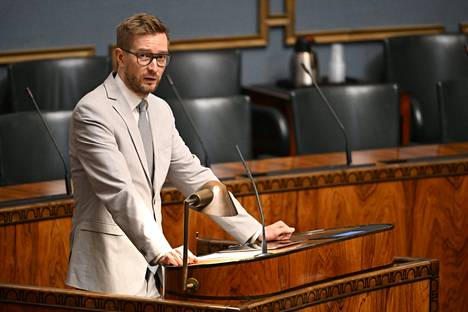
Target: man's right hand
174,257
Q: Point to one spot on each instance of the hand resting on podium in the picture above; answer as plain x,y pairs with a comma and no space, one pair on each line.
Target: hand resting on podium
278,231
174,257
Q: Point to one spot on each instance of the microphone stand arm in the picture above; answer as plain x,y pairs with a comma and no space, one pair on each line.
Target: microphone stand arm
207,162
349,159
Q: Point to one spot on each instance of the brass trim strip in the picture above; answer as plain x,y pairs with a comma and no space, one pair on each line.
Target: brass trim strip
218,43
43,54
277,20
367,34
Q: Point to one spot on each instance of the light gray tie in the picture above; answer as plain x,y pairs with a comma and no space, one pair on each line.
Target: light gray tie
145,131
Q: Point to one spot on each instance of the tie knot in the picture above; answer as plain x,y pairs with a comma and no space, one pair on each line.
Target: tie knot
143,106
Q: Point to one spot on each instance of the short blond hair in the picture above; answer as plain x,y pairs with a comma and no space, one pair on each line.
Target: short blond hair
137,25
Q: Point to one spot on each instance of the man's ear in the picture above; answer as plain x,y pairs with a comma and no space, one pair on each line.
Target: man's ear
119,57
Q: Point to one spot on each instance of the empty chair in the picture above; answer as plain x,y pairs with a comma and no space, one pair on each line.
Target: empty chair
56,84
222,122
416,64
369,113
27,154
453,100
202,74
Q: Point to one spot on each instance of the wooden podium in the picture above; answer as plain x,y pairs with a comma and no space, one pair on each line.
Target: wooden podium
332,267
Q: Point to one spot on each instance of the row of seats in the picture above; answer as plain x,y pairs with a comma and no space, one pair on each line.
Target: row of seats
222,115
27,153
209,82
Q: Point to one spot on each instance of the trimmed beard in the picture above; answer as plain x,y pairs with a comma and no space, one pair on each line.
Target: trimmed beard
136,86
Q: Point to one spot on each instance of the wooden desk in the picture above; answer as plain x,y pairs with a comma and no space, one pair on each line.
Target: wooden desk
426,200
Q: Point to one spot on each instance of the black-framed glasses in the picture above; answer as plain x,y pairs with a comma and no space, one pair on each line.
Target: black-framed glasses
145,58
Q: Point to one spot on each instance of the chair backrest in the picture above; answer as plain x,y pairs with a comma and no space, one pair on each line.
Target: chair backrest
202,74
417,63
369,113
56,84
222,122
27,154
453,100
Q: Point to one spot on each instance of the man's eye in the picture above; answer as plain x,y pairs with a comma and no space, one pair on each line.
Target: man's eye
144,55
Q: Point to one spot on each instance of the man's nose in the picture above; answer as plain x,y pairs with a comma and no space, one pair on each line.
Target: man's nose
153,64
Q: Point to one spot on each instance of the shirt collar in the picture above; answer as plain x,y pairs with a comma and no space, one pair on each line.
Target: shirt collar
131,97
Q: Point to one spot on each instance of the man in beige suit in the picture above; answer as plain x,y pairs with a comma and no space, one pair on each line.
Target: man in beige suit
123,145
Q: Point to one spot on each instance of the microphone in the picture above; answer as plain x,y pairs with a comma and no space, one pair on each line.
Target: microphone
259,203
206,162
51,136
335,116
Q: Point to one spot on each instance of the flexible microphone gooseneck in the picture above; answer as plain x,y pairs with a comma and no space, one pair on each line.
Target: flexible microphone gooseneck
335,116
206,162
259,203
51,136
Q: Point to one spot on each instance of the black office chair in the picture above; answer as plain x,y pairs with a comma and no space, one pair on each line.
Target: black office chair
222,122
453,100
369,113
26,152
202,74
215,74
416,64
56,84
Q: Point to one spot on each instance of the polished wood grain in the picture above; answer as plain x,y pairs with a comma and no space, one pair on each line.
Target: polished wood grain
426,200
314,259
407,285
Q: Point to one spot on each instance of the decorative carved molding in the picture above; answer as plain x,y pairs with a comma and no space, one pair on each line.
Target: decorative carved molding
303,181
41,211
43,54
87,301
369,282
279,183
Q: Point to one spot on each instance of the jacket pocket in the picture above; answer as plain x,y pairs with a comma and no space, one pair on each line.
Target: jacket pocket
105,228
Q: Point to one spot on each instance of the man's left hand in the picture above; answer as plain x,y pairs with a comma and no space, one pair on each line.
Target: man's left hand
278,231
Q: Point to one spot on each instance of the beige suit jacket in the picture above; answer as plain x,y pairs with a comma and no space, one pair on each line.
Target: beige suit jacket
117,221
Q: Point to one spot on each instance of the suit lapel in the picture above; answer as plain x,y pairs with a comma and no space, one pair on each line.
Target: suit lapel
123,109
